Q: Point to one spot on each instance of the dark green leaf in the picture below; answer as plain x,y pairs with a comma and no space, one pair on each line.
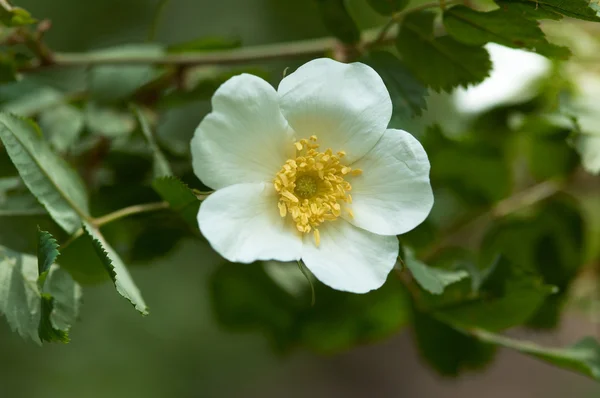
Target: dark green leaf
46,175
116,269
16,201
47,252
553,9
161,165
442,63
46,330
433,280
478,28
62,126
582,357
338,21
180,198
407,93
388,7
206,44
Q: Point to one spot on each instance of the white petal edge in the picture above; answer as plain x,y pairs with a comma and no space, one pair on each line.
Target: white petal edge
347,106
245,138
349,258
393,195
242,223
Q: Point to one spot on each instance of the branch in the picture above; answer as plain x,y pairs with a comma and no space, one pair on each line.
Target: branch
129,211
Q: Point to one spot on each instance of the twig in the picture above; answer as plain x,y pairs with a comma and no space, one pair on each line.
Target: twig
129,211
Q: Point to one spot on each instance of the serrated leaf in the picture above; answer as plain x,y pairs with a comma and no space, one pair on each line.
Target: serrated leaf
442,63
553,9
109,83
407,93
478,28
161,165
338,21
433,280
388,7
47,252
108,121
206,44
62,125
582,357
50,179
180,198
29,313
116,269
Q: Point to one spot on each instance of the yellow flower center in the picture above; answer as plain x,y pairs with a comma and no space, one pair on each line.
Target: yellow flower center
313,188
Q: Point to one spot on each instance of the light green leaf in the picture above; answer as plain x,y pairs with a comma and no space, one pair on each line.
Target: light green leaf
47,176
108,121
434,280
338,21
110,83
47,252
180,198
509,29
30,313
161,165
442,63
14,16
116,269
582,357
554,9
62,125
407,93
33,101
388,7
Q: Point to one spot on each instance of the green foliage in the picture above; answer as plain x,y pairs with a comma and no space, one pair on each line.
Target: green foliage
62,126
407,93
34,314
46,175
15,16
509,29
551,9
47,252
338,21
434,280
108,121
180,197
116,269
388,7
442,63
245,297
161,165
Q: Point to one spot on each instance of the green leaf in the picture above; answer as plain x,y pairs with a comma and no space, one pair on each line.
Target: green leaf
478,28
338,21
434,280
33,101
202,44
109,83
180,198
442,63
35,315
407,93
116,269
47,176
62,126
14,202
107,121
14,16
47,252
388,7
553,9
588,146
244,297
161,165
582,357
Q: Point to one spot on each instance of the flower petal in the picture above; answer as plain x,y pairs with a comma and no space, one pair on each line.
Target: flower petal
242,223
349,258
346,106
245,138
393,194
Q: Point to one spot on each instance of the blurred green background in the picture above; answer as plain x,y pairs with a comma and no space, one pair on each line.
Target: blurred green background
179,350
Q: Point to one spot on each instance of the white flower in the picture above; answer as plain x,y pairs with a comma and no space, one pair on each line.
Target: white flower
310,172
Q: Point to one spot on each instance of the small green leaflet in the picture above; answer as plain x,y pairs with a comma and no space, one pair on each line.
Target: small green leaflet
116,269
509,29
338,21
442,63
39,316
180,197
552,9
582,357
14,16
48,177
161,165
407,93
47,252
388,7
434,280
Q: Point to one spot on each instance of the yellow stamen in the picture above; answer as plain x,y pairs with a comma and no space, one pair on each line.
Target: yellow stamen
317,237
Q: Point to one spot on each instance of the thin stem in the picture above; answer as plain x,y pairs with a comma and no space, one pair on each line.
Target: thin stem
129,211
